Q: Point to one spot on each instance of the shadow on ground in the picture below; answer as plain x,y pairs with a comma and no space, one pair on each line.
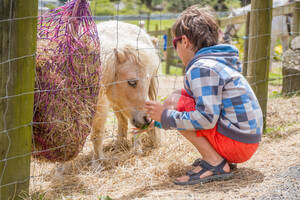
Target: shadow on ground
243,177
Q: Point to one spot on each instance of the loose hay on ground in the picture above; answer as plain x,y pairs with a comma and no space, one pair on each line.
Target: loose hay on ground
151,176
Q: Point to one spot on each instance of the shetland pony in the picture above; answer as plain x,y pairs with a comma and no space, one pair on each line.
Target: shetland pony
129,64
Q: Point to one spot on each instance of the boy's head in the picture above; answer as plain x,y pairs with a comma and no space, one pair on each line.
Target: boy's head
199,25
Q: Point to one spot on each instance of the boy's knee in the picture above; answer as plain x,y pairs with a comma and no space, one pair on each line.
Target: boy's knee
190,135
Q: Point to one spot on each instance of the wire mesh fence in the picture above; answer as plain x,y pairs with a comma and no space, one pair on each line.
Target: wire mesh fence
57,109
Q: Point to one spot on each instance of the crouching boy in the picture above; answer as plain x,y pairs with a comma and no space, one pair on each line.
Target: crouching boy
217,111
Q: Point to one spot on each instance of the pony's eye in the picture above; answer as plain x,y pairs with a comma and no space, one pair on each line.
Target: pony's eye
132,83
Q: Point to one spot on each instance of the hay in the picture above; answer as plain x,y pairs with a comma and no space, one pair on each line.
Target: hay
67,78
126,176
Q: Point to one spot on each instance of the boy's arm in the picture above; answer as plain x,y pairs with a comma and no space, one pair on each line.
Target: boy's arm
206,87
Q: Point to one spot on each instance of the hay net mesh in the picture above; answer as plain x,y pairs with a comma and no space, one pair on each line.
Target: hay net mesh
67,79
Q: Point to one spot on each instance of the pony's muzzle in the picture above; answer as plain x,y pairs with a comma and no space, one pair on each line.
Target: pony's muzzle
140,120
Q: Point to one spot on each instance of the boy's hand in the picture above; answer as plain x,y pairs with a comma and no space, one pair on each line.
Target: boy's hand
138,130
154,110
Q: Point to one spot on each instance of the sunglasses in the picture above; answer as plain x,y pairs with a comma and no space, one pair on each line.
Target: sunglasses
176,40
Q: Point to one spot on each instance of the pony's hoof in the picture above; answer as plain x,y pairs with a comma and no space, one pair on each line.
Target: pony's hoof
138,150
97,163
59,170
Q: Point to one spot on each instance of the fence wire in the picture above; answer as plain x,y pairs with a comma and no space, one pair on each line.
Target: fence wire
42,172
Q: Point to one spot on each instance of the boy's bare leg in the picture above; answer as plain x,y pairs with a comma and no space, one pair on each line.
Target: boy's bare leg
207,152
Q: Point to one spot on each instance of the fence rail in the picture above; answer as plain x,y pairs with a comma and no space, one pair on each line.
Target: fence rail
291,8
278,11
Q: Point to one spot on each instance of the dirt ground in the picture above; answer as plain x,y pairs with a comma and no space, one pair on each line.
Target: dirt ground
272,173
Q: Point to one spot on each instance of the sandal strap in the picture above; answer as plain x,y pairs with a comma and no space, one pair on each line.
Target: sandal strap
195,176
197,162
214,169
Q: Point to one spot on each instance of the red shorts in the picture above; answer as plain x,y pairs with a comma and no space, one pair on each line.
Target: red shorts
232,150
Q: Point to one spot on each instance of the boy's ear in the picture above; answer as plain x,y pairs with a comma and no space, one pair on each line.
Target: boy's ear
186,42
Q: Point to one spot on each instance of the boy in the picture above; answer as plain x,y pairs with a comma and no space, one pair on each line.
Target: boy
217,110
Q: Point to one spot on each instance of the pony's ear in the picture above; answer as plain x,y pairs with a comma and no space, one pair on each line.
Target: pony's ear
108,72
120,55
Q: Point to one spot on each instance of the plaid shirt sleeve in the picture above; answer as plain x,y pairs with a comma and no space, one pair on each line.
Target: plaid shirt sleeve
206,87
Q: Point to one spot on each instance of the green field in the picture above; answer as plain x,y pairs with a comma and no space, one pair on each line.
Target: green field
162,24
275,76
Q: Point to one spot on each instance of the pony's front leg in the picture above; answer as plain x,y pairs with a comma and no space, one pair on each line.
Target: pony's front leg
154,135
98,126
122,129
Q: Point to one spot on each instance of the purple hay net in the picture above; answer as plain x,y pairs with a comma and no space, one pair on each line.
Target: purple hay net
67,79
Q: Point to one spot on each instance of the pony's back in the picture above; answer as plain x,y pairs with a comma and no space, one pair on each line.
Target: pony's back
116,34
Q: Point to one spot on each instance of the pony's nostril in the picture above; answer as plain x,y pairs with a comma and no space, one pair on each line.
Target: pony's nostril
147,120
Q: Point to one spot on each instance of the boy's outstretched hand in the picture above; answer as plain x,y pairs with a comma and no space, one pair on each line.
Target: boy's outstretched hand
154,110
139,131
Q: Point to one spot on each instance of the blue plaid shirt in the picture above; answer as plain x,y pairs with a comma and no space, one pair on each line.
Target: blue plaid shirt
222,95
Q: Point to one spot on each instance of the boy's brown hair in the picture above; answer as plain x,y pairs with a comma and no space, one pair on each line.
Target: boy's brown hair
199,25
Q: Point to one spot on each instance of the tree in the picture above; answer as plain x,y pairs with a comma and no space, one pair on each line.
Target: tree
148,3
245,2
102,7
63,1
180,5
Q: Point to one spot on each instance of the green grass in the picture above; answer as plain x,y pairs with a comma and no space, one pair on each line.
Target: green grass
34,196
274,94
276,132
173,70
162,24
233,3
105,198
275,76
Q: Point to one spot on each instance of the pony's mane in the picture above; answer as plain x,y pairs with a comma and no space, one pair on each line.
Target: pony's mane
141,57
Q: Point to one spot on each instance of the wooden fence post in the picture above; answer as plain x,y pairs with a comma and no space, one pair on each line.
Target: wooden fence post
296,19
169,51
246,45
148,22
259,50
156,27
17,69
